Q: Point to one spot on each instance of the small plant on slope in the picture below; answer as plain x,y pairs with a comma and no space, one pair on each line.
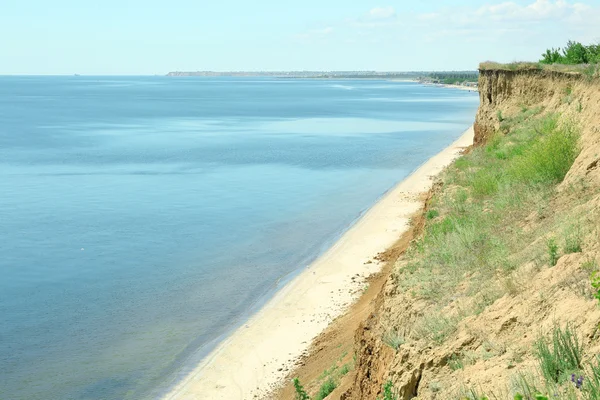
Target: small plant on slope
393,339
573,242
552,251
561,357
595,278
388,392
300,392
326,388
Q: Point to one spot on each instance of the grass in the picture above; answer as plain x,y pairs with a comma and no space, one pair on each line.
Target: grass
455,363
331,377
552,251
345,369
586,70
591,387
573,240
560,356
393,339
475,241
471,393
436,327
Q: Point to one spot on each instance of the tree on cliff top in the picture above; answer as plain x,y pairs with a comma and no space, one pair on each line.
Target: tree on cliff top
572,53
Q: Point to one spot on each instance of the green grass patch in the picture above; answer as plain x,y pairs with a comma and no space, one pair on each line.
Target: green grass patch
431,214
474,240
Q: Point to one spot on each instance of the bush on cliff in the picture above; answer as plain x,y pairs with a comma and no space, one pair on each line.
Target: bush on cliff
573,53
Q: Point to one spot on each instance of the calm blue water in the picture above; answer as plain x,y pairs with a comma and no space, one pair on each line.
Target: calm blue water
141,218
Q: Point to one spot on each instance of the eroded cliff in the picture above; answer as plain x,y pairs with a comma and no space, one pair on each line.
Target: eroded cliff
473,331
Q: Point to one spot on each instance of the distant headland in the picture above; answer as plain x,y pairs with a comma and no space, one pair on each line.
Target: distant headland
302,74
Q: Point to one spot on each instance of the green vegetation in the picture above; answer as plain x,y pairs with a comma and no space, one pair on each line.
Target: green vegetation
345,369
471,248
587,70
552,251
499,115
436,327
455,363
573,58
329,379
572,53
454,77
393,339
471,393
431,214
573,240
562,374
388,392
561,357
300,392
326,388
595,281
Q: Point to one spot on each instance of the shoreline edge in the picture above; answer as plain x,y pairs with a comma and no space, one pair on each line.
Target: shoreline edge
256,357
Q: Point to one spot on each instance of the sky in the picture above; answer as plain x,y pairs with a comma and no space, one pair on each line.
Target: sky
147,37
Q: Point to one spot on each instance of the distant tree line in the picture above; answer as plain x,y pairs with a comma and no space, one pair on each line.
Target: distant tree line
572,53
454,77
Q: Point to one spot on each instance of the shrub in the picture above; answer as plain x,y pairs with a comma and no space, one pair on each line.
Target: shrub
431,214
561,357
573,53
326,388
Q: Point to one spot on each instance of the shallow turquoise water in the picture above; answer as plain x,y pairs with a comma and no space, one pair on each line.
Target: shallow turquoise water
142,218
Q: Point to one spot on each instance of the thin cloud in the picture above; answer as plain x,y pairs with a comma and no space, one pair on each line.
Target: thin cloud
314,33
382,13
536,11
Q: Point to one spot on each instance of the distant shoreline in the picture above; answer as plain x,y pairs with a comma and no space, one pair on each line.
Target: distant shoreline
411,76
451,86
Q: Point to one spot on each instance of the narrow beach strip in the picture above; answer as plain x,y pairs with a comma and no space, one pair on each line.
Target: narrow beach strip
258,355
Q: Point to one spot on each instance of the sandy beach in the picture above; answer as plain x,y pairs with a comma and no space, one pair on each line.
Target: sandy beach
257,356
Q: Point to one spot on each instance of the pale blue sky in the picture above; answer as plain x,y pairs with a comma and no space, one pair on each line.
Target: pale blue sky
158,36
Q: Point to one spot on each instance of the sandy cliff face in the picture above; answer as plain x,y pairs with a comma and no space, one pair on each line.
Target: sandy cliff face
574,96
496,342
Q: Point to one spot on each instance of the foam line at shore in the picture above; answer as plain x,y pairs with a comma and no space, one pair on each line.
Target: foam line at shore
258,355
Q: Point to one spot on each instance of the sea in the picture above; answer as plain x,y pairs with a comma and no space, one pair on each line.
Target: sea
142,219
